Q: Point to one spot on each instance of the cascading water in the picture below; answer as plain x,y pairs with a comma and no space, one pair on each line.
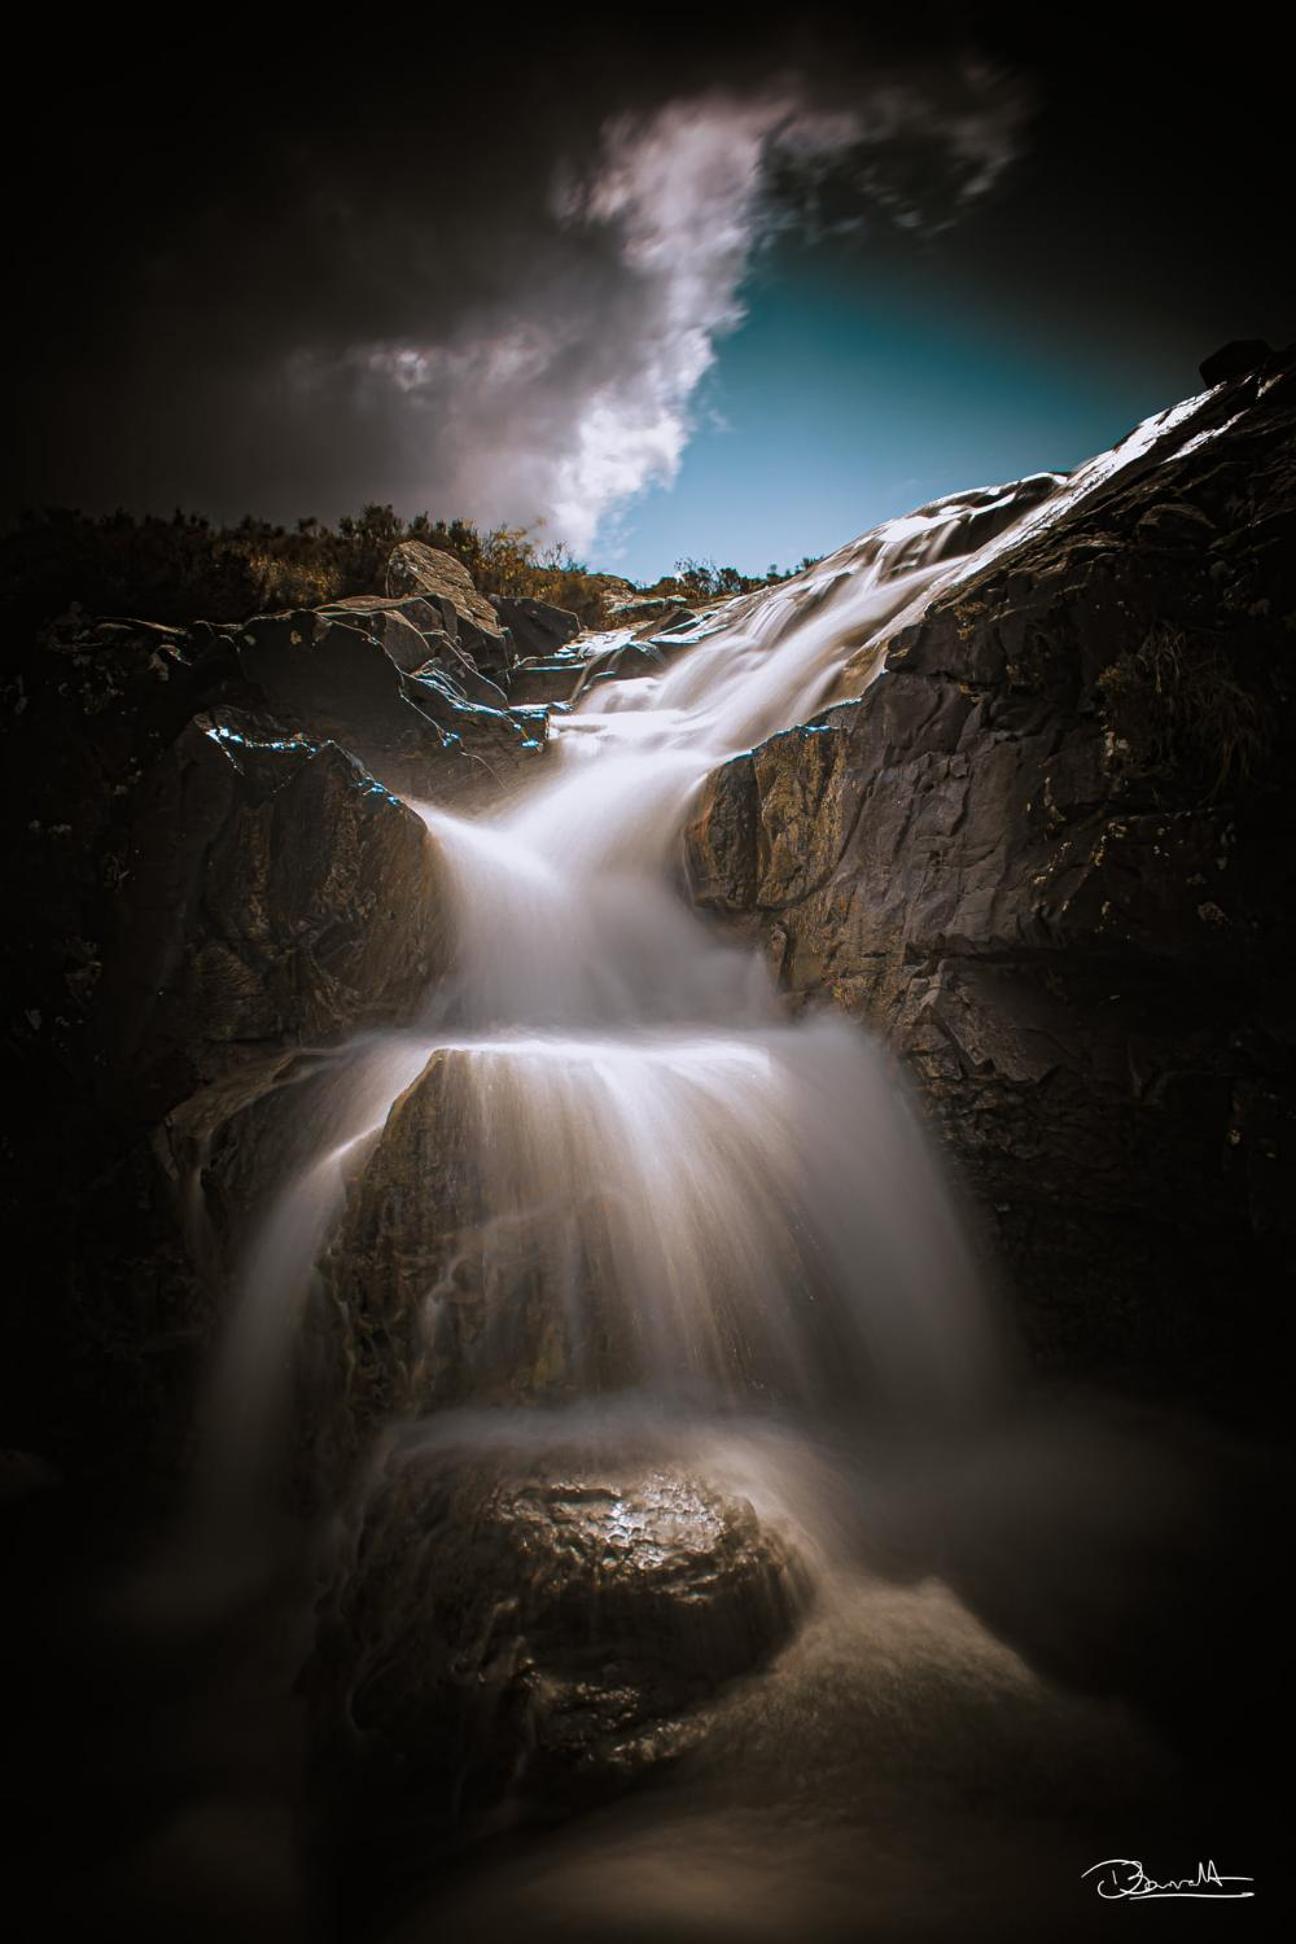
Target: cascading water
720,1204
721,1207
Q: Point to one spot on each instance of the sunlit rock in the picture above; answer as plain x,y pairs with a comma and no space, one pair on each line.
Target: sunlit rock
443,581
1039,853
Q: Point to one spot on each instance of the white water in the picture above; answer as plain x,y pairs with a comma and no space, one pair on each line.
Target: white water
745,1205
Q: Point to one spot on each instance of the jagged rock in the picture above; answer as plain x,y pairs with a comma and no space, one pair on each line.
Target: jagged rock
411,632
647,652
337,682
273,893
624,663
1048,853
418,733
506,1622
445,583
538,629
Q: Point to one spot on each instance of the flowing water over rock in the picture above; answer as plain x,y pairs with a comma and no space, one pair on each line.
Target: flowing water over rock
604,1172
612,1396
621,1167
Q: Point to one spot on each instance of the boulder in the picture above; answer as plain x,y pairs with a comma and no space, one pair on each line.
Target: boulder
1048,854
425,1302
663,620
538,628
445,583
506,1622
1234,360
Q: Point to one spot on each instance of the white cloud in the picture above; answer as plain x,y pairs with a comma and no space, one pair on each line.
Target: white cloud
563,400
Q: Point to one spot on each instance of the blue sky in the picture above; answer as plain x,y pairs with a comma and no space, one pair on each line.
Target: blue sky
845,398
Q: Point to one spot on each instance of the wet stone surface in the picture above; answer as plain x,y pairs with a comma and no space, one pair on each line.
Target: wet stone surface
502,1628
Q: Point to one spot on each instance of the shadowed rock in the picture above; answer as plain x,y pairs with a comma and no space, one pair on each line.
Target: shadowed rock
275,893
537,627
503,1623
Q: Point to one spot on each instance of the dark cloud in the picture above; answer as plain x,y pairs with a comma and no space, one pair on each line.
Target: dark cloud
475,280
465,266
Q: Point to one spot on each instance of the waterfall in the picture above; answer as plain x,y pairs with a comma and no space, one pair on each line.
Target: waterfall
714,1205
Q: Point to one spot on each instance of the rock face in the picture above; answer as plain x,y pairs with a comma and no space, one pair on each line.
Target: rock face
216,875
274,893
504,1624
1048,853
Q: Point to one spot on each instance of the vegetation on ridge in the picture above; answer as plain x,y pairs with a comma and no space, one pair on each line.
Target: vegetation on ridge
186,568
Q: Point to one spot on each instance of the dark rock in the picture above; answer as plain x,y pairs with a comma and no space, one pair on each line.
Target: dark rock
336,680
1048,854
506,1623
538,629
273,892
1234,360
544,682
413,635
419,734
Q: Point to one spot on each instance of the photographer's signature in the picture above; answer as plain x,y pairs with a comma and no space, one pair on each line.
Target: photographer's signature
1121,1877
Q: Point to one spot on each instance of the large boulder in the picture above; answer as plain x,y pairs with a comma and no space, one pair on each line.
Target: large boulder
505,1622
445,583
1048,853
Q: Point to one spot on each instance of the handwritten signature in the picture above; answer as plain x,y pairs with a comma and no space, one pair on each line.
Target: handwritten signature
1121,1876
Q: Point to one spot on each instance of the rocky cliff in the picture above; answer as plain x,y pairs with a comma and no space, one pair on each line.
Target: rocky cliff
213,876
1048,852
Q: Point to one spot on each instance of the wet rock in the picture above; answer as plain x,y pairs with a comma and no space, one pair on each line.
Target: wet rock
336,681
1046,854
504,1623
538,628
419,733
623,663
425,1301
